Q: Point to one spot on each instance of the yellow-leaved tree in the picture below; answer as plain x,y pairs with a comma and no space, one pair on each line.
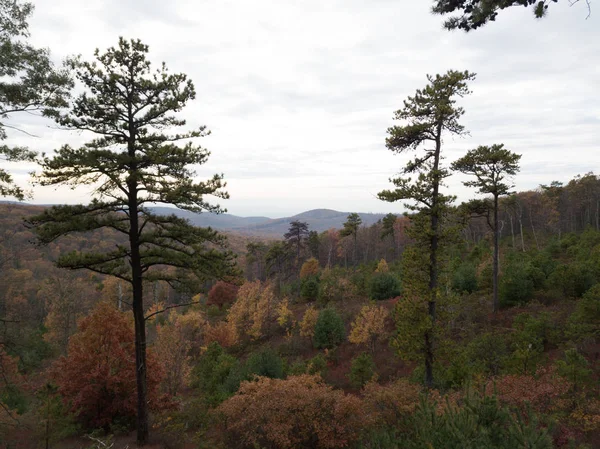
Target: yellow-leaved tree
382,267
285,317
307,325
253,309
309,268
369,326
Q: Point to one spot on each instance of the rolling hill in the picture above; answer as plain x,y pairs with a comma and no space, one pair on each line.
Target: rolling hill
318,220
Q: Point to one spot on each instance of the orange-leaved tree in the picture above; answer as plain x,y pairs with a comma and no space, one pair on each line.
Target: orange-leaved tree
305,413
98,376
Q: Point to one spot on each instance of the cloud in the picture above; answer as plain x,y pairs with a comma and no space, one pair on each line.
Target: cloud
299,95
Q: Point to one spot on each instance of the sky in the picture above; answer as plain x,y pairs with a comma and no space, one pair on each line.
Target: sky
299,95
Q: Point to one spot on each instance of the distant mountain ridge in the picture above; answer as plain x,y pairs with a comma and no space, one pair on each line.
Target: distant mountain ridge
318,220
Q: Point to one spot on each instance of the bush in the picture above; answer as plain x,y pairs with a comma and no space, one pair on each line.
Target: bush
309,288
333,286
211,373
516,286
464,278
574,279
362,370
488,353
480,422
317,365
584,322
390,403
305,413
329,329
383,286
265,363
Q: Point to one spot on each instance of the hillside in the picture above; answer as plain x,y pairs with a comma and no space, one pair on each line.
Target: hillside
318,220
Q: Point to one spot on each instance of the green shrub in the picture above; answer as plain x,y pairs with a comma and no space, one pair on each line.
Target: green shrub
317,365
265,363
488,353
329,330
361,279
384,286
309,288
362,370
584,323
212,372
480,422
464,278
540,331
573,279
516,285
575,368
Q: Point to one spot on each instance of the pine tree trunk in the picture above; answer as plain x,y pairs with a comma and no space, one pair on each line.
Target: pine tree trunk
138,288
433,263
496,254
140,328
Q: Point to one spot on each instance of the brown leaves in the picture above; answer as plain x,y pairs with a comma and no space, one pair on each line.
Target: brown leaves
98,377
301,411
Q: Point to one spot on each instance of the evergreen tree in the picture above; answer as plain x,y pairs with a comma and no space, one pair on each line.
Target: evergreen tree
473,14
296,237
491,166
351,226
134,163
428,114
30,83
387,229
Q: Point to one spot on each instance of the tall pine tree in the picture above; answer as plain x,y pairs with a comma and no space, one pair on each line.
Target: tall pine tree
133,163
491,166
427,116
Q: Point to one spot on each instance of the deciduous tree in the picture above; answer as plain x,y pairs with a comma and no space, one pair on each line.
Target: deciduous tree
99,374
369,326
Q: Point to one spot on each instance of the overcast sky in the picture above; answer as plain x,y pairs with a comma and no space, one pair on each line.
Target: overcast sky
299,94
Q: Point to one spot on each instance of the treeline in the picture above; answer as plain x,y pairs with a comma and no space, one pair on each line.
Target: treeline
526,220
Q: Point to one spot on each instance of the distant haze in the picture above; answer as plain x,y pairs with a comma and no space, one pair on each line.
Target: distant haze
318,220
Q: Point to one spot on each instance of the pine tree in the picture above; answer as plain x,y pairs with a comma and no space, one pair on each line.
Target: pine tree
351,226
428,114
490,166
296,236
30,83
473,14
134,163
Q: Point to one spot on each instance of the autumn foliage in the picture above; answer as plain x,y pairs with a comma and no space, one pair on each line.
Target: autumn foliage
309,268
222,293
301,411
309,320
254,307
97,379
390,403
369,326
